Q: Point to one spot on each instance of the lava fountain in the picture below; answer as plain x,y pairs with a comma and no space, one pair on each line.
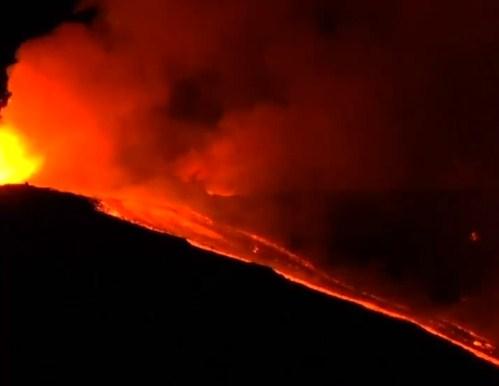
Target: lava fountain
16,164
341,146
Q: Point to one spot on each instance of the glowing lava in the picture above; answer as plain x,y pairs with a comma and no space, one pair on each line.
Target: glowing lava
17,165
203,232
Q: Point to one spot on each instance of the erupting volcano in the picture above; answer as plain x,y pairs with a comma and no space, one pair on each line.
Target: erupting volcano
348,145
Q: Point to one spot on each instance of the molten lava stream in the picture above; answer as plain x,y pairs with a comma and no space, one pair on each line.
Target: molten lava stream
204,233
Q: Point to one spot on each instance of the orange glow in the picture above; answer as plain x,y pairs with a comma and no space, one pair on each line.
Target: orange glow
175,135
474,236
17,165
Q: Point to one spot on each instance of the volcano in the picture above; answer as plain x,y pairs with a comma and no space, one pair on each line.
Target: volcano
244,191
91,299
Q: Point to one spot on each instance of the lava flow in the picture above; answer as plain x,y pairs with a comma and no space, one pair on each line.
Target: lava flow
204,233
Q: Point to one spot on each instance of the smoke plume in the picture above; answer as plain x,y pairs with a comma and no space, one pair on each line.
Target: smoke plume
241,97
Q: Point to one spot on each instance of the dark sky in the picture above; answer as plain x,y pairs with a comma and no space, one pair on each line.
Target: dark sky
25,19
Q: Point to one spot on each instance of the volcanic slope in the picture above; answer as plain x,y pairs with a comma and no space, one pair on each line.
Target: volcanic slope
90,299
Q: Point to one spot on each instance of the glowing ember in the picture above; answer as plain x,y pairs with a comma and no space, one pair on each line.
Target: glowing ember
16,164
474,236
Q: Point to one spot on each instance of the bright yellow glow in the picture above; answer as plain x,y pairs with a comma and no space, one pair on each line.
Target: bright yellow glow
16,164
